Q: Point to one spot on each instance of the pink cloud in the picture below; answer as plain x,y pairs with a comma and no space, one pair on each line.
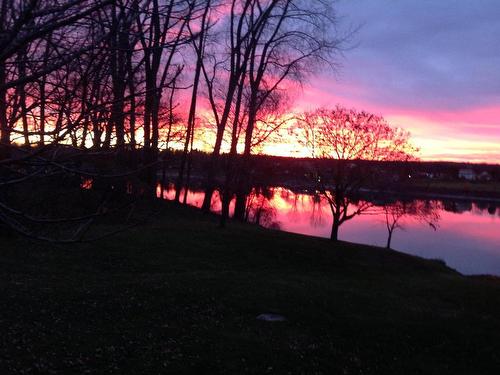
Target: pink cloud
471,134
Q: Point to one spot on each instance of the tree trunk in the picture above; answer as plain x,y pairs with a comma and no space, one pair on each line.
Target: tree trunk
240,206
389,239
189,168
226,202
22,56
43,83
334,236
131,89
214,160
4,126
190,125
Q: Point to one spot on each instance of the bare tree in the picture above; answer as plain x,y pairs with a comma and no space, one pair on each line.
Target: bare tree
222,90
24,25
269,42
344,138
398,212
198,44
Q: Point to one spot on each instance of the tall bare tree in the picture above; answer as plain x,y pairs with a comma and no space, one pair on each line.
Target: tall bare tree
268,43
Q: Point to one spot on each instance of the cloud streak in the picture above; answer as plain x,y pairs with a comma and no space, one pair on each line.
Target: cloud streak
432,66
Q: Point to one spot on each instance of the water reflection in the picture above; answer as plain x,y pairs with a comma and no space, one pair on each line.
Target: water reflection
467,239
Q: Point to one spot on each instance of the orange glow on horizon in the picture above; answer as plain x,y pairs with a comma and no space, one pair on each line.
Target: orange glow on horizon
436,135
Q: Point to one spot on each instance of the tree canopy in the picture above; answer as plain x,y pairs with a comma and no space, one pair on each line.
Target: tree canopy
344,136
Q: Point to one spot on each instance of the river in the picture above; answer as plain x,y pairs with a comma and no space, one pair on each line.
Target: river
464,234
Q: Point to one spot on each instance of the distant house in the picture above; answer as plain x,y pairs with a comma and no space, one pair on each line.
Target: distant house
467,174
484,176
422,175
429,175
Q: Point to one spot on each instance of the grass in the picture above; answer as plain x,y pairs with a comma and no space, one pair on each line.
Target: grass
181,296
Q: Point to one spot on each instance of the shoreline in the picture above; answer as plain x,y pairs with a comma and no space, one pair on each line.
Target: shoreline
403,190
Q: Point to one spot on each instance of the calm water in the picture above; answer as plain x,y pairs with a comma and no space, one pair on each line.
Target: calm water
467,237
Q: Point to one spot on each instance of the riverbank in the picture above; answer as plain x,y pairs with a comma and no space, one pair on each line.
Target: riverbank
417,179
488,192
180,295
463,190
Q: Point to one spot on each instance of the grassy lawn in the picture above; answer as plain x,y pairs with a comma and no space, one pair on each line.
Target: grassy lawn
181,296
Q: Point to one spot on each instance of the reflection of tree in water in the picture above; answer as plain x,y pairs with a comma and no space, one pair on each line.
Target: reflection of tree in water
478,208
294,204
398,213
492,209
259,209
294,201
453,206
318,205
320,209
484,207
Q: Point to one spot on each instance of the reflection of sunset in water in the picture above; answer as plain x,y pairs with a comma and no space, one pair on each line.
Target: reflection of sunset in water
467,240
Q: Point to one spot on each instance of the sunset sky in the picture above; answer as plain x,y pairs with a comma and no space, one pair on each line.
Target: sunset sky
432,67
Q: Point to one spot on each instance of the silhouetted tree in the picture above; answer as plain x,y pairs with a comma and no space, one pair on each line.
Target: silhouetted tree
268,43
344,137
397,212
198,40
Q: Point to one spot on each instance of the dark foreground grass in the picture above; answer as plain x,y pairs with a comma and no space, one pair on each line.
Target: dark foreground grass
181,296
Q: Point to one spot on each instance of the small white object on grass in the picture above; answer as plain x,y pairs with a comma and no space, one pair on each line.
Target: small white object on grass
270,317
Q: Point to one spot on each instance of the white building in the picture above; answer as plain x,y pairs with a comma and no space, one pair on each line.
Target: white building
467,174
